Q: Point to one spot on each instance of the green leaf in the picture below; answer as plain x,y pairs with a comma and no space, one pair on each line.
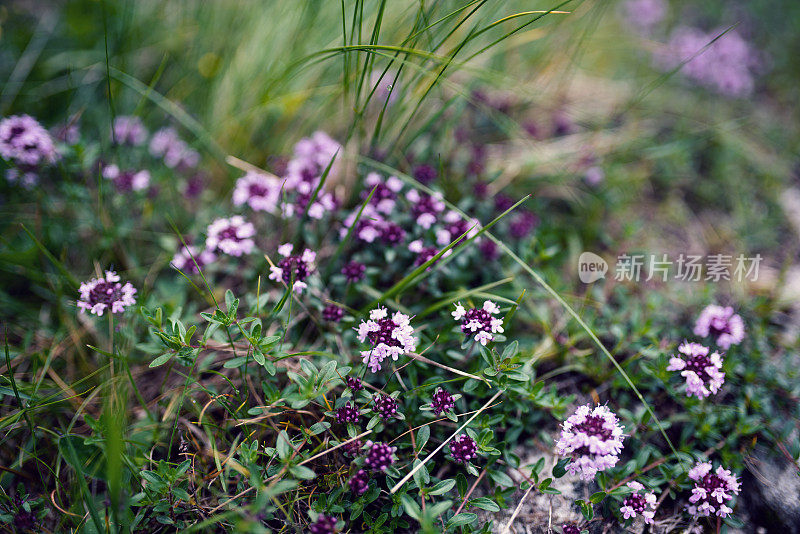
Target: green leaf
411,507
461,519
442,487
501,478
423,435
283,446
484,503
560,469
303,472
598,497
161,360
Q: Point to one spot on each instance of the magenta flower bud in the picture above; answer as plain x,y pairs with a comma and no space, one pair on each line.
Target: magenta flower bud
463,448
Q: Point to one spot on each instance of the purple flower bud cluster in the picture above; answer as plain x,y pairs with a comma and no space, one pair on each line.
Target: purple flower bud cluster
455,226
522,225
463,448
384,198
347,414
304,171
726,65
593,439
442,401
167,144
390,337
703,372
479,322
379,456
293,270
384,406
332,313
425,208
24,142
425,173
106,293
570,528
352,448
354,383
127,181
639,503
722,324
353,271
359,482
712,491
129,130
189,258
324,524
232,236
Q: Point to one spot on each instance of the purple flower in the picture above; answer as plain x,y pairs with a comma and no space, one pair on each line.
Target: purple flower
488,248
189,258
259,191
293,270
312,155
129,130
639,503
392,234
26,179
455,226
25,142
126,181
379,456
425,253
232,236
568,528
503,203
352,448
354,271
385,196
425,173
389,336
479,322
324,524
354,383
594,175
106,293
593,439
359,483
712,491
347,414
645,15
384,406
726,65
703,373
522,225
442,401
425,208
369,225
463,448
166,144
726,327
194,186
332,313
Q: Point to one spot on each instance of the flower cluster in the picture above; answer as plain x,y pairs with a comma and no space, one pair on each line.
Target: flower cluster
727,65
166,144
293,269
454,227
385,406
425,253
359,482
232,236
703,373
639,503
442,401
593,439
354,383
569,528
379,456
479,322
312,155
722,324
645,15
129,130
26,143
126,181
189,258
257,190
106,293
354,271
389,336
347,414
324,524
463,448
712,490
425,208
384,198
332,313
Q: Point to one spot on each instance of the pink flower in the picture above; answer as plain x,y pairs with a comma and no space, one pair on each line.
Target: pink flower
593,439
712,491
106,293
722,324
232,236
703,373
